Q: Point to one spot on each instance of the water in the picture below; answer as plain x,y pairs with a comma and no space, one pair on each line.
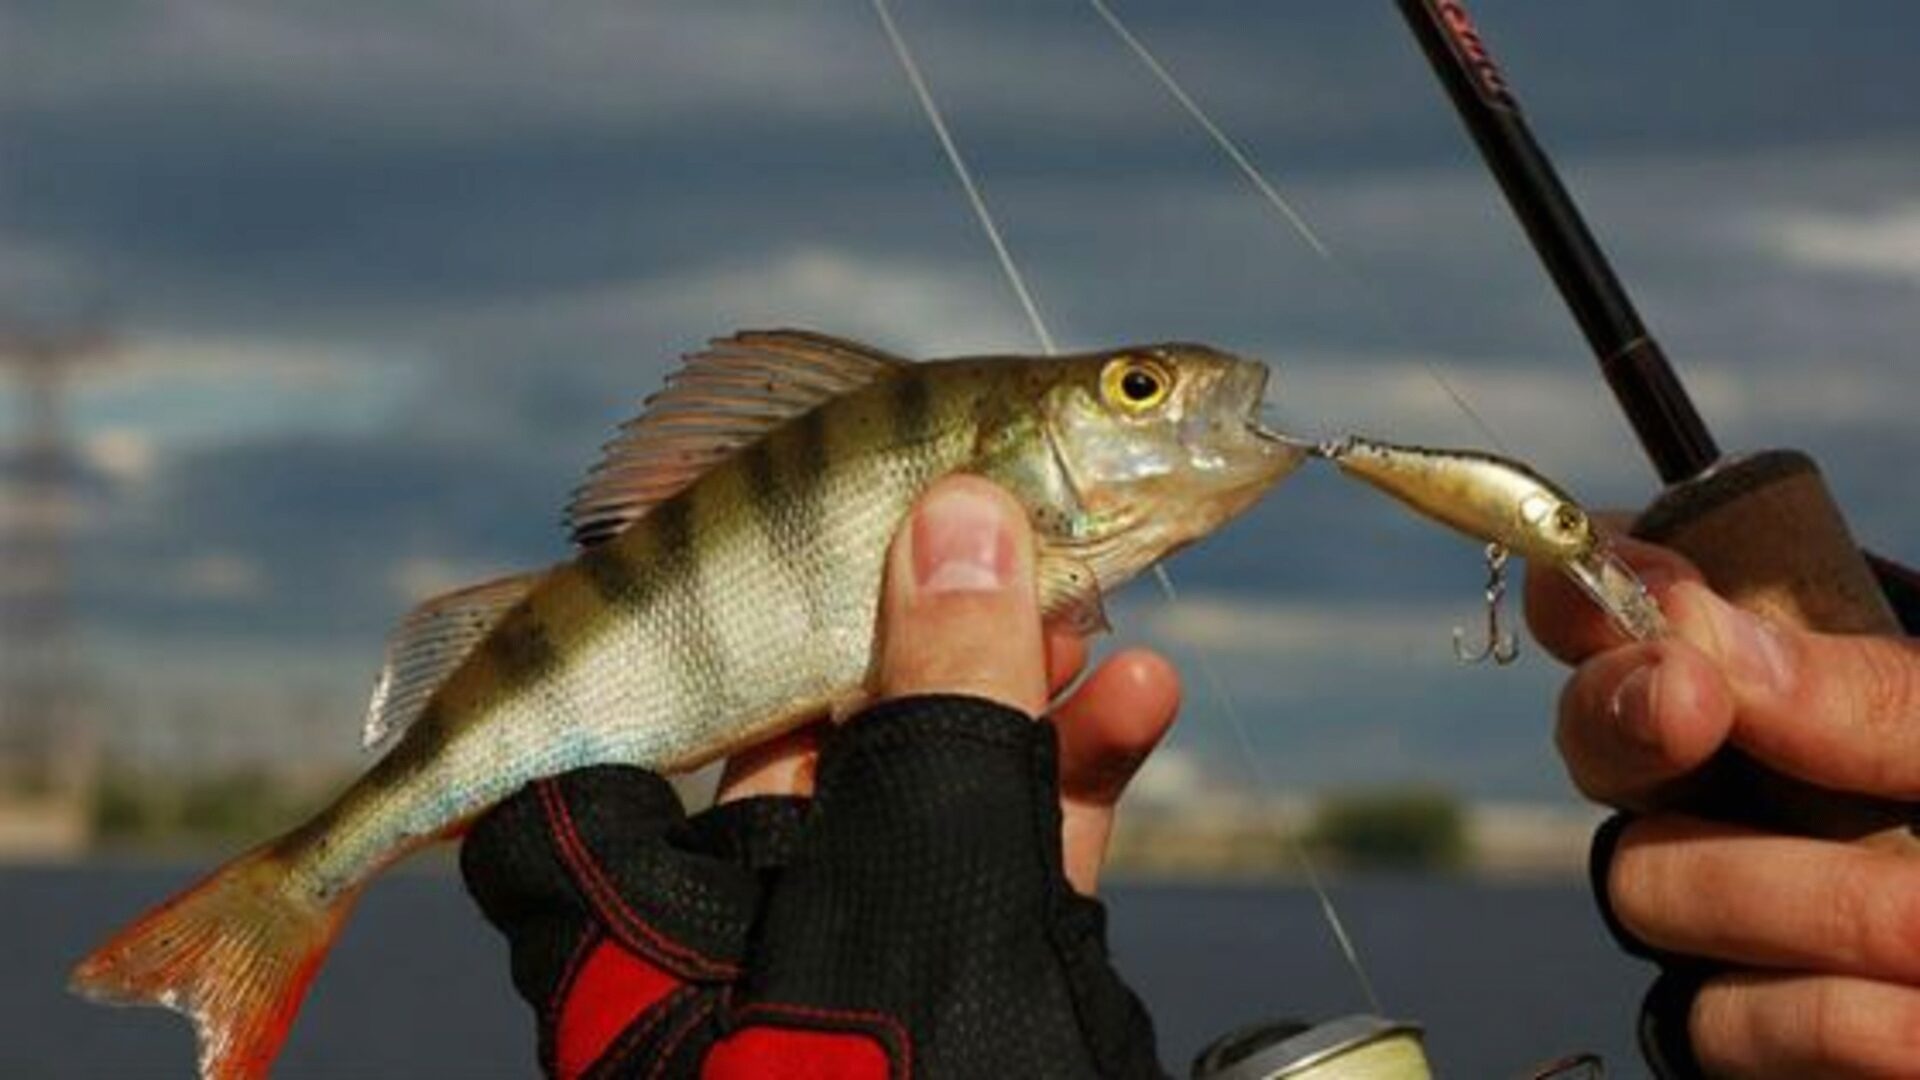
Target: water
1502,975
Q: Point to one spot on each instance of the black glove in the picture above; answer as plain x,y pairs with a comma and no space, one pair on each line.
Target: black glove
910,919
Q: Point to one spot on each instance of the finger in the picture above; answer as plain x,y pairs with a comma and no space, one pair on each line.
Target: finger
1754,1024
780,766
959,611
1568,624
1634,720
1764,900
1066,659
1112,722
1840,711
1106,729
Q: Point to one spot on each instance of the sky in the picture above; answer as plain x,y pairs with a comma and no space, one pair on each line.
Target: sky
381,278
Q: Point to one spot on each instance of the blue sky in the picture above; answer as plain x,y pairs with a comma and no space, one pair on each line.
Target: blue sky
384,276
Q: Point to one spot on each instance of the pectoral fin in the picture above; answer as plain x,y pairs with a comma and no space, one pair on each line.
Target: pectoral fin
1070,595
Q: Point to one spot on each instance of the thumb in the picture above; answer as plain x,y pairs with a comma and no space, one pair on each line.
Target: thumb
958,611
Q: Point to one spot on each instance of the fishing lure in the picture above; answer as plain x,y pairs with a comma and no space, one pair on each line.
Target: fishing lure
1516,511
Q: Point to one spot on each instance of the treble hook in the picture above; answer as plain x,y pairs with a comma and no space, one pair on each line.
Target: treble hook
1500,646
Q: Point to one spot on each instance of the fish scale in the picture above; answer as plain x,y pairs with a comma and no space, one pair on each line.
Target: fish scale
727,588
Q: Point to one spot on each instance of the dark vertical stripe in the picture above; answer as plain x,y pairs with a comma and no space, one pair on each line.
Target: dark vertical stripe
809,461
912,401
803,512
520,650
785,475
653,569
696,640
673,534
614,579
762,482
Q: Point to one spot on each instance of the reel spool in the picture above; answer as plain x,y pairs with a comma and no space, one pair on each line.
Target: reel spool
1358,1047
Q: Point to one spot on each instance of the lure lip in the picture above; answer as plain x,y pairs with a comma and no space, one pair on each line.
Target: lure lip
1261,431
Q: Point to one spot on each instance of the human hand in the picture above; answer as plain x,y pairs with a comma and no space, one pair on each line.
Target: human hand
959,615
1821,940
825,935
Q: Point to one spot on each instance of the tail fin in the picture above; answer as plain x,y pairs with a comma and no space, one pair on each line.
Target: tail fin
234,954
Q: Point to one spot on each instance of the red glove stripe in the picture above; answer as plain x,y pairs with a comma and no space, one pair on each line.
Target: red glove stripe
613,988
557,1000
758,1052
606,900
672,1042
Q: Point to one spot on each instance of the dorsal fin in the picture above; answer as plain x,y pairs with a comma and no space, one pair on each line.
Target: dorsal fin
725,397
428,644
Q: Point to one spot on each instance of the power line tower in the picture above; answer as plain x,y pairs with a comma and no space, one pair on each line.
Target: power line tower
49,743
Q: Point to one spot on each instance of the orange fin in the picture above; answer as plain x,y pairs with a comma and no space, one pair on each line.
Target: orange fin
234,954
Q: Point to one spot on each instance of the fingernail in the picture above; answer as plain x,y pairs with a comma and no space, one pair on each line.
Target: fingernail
961,544
1632,706
1657,577
1756,655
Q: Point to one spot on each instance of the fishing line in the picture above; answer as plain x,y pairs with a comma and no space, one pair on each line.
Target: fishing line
1216,686
1281,205
1220,138
979,201
1264,783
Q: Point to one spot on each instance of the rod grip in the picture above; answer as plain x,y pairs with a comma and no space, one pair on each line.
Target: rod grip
1768,536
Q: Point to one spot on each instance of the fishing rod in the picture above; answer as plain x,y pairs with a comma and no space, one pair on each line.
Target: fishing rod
1762,526
1670,429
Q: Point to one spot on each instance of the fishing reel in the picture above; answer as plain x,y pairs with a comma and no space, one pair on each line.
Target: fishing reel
1359,1047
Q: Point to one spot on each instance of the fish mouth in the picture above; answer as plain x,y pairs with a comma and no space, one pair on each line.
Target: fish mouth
1246,385
1247,382
1257,426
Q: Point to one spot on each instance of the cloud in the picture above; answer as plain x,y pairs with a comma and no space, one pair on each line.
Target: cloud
924,303
218,576
152,396
1333,691
316,366
1304,632
386,275
124,455
1880,243
297,537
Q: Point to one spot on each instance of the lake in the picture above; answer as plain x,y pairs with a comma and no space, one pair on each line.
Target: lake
1503,975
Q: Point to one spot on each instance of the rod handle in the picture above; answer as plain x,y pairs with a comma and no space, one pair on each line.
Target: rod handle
1767,534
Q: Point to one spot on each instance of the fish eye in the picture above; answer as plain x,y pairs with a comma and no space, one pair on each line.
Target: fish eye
1134,384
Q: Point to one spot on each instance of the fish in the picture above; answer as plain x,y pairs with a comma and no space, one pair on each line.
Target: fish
730,551
1512,508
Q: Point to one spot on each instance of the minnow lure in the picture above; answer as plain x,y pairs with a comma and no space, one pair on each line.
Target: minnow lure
1514,510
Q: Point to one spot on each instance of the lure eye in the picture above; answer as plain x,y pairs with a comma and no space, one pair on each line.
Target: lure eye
1134,385
1569,519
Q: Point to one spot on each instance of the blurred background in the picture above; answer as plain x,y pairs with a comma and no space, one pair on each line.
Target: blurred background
311,311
